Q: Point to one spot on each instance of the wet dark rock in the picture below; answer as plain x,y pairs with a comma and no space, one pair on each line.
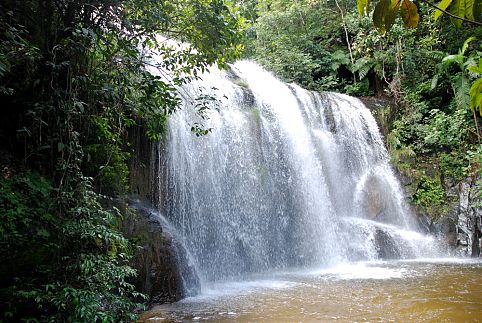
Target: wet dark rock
165,274
384,111
328,114
144,159
460,226
160,259
375,200
386,246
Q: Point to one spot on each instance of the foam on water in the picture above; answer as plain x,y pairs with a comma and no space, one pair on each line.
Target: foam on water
361,271
236,288
373,291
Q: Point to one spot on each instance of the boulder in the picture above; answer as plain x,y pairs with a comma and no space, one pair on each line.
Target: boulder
165,273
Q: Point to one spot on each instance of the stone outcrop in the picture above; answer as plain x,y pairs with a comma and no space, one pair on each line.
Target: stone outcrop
386,247
460,226
161,260
384,109
463,220
144,159
158,275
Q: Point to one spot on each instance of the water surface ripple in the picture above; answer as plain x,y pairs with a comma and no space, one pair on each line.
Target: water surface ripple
430,290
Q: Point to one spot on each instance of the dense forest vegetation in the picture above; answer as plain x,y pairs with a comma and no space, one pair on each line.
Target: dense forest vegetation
75,76
73,80
433,128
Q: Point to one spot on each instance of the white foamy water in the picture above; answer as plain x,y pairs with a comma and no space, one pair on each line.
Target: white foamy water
287,178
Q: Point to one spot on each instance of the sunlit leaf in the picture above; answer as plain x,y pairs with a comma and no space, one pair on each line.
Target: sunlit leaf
410,14
477,103
474,69
444,4
475,93
434,82
458,9
466,44
392,13
362,7
461,91
456,58
469,9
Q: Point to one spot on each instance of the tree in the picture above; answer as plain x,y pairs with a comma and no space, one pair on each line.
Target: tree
73,78
386,11
459,11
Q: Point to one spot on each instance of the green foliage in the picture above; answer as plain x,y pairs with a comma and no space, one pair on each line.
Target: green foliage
48,276
303,42
111,177
386,11
436,139
453,165
81,74
27,221
431,196
435,132
361,88
441,130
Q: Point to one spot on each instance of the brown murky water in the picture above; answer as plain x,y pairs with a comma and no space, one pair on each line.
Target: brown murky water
402,291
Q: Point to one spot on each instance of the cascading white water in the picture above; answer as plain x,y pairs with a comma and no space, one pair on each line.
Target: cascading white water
287,178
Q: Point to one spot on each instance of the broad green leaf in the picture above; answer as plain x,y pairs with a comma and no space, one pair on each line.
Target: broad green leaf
469,9
456,58
477,103
444,4
362,7
379,14
466,44
434,82
410,14
385,13
476,95
475,69
458,9
461,91
392,13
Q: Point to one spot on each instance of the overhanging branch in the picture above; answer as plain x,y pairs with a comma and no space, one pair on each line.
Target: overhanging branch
451,14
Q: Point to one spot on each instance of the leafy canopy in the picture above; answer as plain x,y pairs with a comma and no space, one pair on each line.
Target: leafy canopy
386,11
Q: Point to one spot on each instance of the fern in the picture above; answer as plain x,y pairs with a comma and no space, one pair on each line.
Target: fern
363,66
461,88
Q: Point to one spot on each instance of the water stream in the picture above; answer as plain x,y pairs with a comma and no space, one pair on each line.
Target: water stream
287,178
289,211
424,290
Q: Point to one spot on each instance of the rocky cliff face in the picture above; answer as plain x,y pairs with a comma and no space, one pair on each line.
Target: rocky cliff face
460,225
463,220
142,178
158,274
160,259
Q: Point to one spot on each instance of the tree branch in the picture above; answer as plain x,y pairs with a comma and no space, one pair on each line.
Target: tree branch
452,15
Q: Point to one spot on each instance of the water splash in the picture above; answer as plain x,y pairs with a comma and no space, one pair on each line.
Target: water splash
287,178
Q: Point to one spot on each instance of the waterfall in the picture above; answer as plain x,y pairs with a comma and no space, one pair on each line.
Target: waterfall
287,178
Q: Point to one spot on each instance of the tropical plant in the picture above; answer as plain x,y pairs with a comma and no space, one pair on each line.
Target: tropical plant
386,11
74,77
467,97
